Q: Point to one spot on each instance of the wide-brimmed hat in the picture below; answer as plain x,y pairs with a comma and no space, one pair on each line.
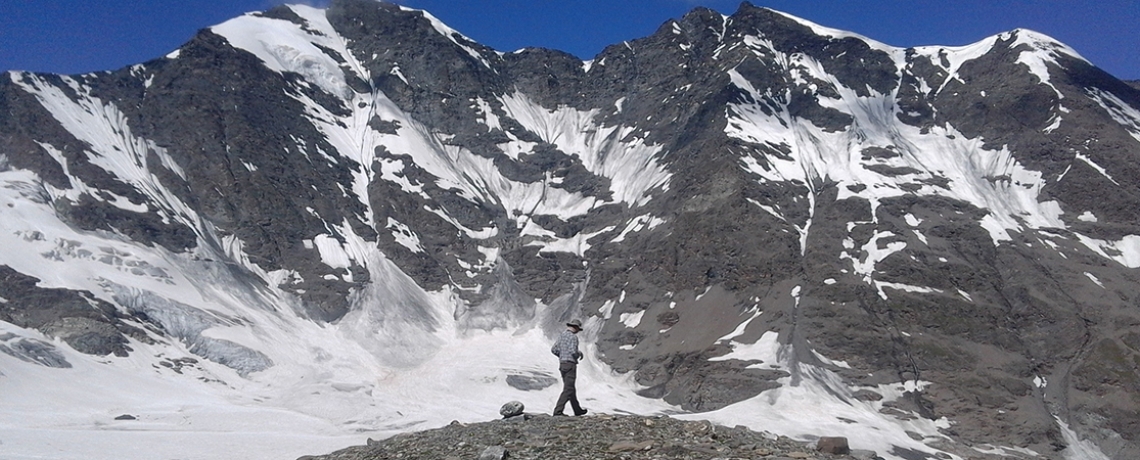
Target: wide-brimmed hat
575,324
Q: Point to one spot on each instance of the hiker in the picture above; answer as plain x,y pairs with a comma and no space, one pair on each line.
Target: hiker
566,349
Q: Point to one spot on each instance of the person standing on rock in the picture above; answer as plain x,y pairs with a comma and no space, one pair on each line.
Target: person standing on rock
566,349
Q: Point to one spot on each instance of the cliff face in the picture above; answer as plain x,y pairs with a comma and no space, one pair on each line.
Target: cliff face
737,205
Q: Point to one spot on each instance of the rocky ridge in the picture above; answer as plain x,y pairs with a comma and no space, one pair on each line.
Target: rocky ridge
625,437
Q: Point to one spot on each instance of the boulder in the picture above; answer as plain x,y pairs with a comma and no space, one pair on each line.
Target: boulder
630,446
511,409
833,445
493,453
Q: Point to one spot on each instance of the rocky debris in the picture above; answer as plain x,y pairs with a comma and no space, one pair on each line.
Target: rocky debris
511,409
176,364
630,446
493,453
626,437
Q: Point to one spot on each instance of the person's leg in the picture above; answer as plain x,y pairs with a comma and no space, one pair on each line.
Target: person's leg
569,374
578,410
572,378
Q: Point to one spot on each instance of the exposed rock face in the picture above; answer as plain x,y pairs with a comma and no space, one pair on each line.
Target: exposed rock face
88,325
963,219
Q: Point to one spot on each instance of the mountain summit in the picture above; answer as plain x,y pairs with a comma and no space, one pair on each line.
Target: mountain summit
357,220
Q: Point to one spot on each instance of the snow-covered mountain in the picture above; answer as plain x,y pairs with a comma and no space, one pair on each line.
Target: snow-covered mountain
306,227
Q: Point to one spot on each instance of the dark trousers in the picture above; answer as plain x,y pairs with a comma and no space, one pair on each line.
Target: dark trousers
569,372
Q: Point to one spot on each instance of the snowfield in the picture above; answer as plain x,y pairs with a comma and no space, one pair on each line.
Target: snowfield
233,368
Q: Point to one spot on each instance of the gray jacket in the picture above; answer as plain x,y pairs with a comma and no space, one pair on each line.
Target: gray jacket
566,348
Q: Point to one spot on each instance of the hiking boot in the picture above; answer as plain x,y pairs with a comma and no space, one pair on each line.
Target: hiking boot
581,413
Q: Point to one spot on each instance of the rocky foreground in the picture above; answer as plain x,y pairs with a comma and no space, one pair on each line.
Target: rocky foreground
595,436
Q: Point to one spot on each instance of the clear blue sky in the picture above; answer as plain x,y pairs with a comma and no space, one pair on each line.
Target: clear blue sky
73,36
